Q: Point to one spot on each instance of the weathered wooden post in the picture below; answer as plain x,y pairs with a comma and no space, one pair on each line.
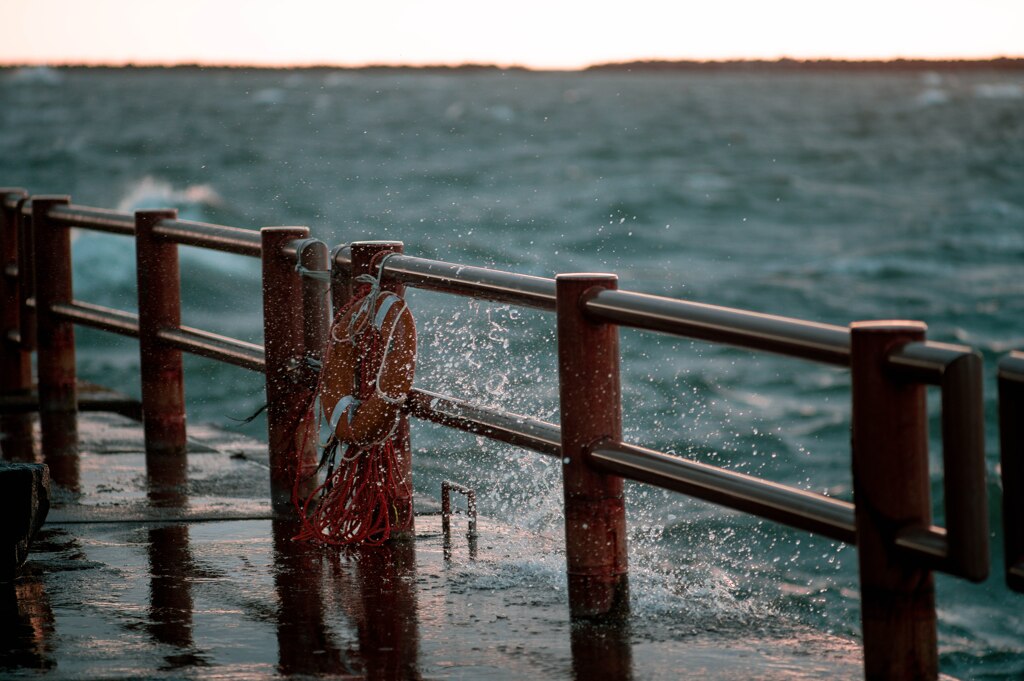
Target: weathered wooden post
163,382
1011,447
291,435
15,359
313,257
590,396
366,257
58,392
26,275
891,491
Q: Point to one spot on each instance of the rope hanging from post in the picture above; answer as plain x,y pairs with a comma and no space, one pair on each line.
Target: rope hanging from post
366,374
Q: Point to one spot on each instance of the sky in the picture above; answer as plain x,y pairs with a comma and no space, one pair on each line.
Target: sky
533,33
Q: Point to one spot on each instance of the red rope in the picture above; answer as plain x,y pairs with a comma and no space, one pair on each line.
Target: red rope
356,502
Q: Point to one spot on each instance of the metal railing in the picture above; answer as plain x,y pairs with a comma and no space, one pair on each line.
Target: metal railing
40,312
891,363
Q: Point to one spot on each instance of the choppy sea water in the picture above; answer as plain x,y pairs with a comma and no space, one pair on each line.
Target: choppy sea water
830,197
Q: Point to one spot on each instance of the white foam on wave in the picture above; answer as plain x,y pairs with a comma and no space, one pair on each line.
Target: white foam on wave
152,192
270,96
36,75
931,97
999,91
192,203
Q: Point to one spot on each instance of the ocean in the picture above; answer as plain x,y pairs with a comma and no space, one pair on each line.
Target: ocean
831,197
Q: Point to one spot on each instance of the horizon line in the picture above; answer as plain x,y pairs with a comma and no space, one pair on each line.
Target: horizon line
1017,60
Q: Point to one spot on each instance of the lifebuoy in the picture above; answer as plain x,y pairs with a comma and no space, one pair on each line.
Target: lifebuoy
368,368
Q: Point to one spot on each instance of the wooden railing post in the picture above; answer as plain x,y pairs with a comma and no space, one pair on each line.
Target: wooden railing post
315,299
291,435
26,275
891,492
366,256
15,359
590,395
58,395
1011,458
163,383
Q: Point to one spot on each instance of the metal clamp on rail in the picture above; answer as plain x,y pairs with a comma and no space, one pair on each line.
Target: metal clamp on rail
1011,436
961,548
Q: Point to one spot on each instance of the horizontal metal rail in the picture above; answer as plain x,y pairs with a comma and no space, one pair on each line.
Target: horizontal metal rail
213,237
808,340
793,337
1011,435
96,219
98,317
797,508
514,429
462,280
927,362
184,232
214,346
194,341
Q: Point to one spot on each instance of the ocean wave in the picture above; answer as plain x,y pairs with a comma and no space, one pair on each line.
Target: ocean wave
999,91
151,192
36,75
931,97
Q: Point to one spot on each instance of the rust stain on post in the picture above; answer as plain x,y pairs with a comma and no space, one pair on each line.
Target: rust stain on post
292,439
55,338
163,384
590,396
891,490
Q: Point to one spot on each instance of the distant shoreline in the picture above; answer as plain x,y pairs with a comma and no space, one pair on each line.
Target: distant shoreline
641,66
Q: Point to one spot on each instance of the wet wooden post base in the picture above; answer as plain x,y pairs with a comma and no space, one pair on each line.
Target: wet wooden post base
366,257
15,358
590,396
291,436
891,491
163,382
58,396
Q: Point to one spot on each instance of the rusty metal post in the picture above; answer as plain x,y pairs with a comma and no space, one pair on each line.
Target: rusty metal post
891,491
58,397
1011,448
15,359
314,303
341,277
366,257
26,275
590,396
291,435
163,381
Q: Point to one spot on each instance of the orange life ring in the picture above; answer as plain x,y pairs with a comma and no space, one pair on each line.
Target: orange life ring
368,368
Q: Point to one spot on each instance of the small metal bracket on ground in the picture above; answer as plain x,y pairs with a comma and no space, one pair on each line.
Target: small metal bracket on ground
447,487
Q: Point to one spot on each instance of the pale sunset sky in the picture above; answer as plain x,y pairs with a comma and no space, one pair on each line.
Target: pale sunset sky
534,33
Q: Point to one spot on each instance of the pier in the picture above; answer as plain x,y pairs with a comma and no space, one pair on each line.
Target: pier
889,521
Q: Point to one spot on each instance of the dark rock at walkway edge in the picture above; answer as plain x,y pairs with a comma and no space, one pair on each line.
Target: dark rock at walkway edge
24,503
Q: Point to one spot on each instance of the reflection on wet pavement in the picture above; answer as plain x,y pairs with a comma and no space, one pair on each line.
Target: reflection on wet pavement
28,625
181,573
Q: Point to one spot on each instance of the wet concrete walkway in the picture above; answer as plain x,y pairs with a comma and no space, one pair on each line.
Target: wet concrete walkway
192,577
